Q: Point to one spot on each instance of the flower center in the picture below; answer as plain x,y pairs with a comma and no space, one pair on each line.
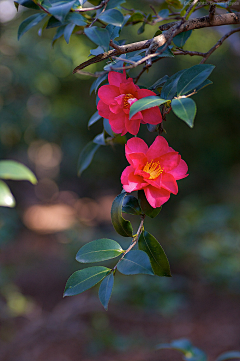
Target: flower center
126,102
153,168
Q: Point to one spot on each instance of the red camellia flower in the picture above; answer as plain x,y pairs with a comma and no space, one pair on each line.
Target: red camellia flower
155,169
116,99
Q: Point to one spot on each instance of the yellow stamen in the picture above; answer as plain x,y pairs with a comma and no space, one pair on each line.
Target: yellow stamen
125,100
153,168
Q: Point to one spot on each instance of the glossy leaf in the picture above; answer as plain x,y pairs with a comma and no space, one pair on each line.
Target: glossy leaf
6,197
185,109
97,51
84,279
9,169
170,87
53,23
107,127
229,355
191,78
114,3
112,16
180,39
123,227
113,31
86,156
28,23
160,82
135,262
156,254
99,250
98,82
94,118
60,11
76,19
28,4
204,84
146,207
99,36
68,32
59,33
105,290
100,139
145,103
131,205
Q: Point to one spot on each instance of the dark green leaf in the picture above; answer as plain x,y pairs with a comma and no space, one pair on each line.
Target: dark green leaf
60,11
99,250
94,118
114,3
97,51
135,262
229,355
145,103
170,87
123,227
113,31
166,54
204,84
28,4
163,13
105,290
191,78
84,279
107,127
146,207
136,18
185,109
141,29
100,139
76,19
159,82
112,16
59,33
99,36
131,205
68,32
156,254
180,39
6,197
86,156
53,23
9,169
28,23
98,82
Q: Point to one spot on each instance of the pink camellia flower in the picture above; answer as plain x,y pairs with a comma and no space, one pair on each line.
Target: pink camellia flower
116,99
155,169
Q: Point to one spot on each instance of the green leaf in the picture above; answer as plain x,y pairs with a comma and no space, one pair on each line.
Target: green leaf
170,87
59,33
141,29
99,36
146,207
6,197
68,32
113,31
180,39
105,290
160,82
107,127
131,205
53,23
84,279
86,156
76,19
145,103
190,352
156,254
28,4
60,11
114,3
164,13
112,16
100,139
203,85
94,118
123,227
135,262
193,77
228,355
185,109
98,82
99,250
28,23
9,169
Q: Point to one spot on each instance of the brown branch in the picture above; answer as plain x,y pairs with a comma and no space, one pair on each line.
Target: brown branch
160,40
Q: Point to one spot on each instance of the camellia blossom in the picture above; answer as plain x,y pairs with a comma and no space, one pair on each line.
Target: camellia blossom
116,99
155,169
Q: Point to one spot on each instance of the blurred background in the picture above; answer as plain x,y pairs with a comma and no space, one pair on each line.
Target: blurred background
44,111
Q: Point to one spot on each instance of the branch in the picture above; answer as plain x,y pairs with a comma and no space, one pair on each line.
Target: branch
160,40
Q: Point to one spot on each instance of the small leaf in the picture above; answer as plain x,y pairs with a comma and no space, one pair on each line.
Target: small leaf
135,262
68,32
163,13
180,39
100,139
170,87
185,109
107,127
28,23
146,207
191,78
99,250
229,355
123,227
112,16
156,254
105,290
131,205
141,29
86,156
94,118
6,197
60,11
84,279
159,82
99,36
145,103
9,169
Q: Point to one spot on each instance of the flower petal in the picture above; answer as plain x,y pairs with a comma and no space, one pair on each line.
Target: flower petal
103,109
136,145
152,115
132,126
169,161
117,105
137,160
158,148
156,197
107,93
115,78
117,122
180,171
130,181
142,93
129,88
169,183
